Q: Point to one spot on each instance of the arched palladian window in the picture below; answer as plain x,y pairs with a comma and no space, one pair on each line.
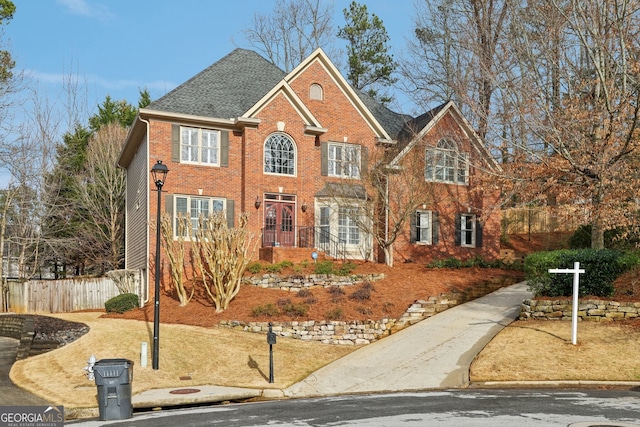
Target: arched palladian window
316,92
445,163
279,154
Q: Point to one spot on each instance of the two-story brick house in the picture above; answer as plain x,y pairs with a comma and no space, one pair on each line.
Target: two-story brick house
293,150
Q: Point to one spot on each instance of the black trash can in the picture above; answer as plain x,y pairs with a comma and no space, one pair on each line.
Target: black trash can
113,378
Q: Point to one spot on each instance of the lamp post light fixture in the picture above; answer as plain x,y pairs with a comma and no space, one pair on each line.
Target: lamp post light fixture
159,174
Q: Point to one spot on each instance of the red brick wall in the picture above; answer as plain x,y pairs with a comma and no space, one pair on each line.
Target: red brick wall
243,180
448,200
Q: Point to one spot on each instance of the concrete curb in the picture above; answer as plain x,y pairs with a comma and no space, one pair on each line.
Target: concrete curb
556,384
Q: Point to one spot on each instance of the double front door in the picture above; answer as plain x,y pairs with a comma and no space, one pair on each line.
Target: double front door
279,221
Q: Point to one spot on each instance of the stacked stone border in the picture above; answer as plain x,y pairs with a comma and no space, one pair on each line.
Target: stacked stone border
23,328
353,332
594,310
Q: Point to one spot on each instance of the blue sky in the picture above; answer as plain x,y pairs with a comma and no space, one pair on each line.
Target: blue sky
117,47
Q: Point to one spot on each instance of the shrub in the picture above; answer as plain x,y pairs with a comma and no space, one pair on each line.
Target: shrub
334,314
304,293
387,306
324,267
254,268
294,310
122,303
446,263
273,268
286,264
366,311
601,267
283,302
267,310
362,293
337,294
346,269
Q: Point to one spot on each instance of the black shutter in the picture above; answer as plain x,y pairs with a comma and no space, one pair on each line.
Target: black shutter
175,143
224,148
458,230
324,159
478,234
414,228
230,213
435,225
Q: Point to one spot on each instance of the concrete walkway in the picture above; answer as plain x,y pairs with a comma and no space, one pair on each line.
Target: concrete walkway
434,353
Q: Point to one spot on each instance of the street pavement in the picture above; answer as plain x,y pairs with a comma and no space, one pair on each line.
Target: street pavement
10,394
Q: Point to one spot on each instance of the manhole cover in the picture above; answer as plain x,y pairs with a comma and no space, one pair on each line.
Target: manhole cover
184,391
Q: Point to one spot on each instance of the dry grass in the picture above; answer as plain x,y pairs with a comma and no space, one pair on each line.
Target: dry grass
542,351
210,356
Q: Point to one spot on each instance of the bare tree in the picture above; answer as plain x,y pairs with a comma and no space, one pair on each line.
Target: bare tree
293,30
102,188
26,156
459,52
580,100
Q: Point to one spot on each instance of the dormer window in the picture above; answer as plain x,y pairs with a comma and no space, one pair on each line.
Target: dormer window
316,92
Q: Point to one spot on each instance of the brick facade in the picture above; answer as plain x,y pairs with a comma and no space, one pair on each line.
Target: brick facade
340,117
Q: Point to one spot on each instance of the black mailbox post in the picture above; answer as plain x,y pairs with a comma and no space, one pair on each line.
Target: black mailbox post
271,340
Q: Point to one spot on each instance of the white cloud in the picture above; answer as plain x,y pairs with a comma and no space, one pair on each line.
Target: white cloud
85,8
155,87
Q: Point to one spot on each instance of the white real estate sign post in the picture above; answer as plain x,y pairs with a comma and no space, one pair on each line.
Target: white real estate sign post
576,284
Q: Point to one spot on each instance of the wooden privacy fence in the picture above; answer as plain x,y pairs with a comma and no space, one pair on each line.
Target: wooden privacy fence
542,219
58,296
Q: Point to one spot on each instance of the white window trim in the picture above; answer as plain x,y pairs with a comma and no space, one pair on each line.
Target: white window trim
295,156
461,161
464,220
334,222
316,92
189,198
330,161
429,228
200,147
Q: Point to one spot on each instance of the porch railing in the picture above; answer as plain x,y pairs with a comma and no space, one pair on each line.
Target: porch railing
306,237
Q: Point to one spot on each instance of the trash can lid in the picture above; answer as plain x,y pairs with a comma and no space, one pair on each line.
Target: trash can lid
113,362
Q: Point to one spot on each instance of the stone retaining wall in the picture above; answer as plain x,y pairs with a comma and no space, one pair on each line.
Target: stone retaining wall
23,328
590,309
295,283
357,332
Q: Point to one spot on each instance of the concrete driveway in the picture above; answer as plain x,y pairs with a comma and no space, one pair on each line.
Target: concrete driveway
435,353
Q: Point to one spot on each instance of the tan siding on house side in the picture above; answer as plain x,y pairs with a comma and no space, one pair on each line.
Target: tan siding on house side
137,196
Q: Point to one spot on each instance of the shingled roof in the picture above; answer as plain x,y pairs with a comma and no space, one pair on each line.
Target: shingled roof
226,89
231,86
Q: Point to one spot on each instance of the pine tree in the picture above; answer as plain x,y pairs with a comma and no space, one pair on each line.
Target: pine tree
370,64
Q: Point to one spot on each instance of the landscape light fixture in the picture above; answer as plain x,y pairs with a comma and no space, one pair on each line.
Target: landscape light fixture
159,174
